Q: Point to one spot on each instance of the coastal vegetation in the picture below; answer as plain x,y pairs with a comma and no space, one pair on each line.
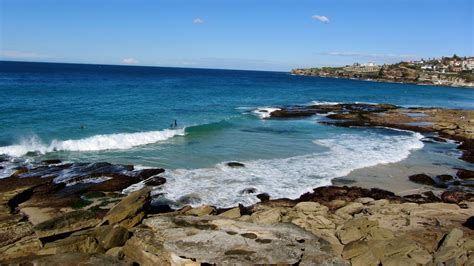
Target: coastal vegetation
446,71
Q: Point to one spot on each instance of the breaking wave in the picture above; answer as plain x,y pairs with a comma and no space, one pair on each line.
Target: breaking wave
119,141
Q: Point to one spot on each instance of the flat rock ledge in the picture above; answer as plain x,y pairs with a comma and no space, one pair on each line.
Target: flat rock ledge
331,226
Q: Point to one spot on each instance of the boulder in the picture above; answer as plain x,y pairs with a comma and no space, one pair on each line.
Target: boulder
310,207
110,236
350,209
465,174
233,213
422,179
66,223
263,197
451,239
270,216
128,208
213,240
456,196
24,247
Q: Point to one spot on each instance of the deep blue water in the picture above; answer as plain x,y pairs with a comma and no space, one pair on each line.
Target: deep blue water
122,114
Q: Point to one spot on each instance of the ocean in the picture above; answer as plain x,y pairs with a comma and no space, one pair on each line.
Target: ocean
126,114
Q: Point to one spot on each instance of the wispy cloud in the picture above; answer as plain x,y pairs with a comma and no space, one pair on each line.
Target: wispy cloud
130,61
356,54
13,54
322,19
198,21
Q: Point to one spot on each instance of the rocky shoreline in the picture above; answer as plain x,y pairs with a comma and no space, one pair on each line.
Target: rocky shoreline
54,213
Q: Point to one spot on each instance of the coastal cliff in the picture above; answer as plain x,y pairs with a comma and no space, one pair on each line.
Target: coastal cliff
444,72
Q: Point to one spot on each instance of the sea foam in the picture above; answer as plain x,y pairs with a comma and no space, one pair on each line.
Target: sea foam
223,186
265,112
119,141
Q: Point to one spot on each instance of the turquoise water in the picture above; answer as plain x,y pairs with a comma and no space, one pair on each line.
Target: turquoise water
123,114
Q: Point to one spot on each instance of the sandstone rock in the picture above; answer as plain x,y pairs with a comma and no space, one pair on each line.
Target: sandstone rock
201,211
447,254
378,233
311,207
421,256
81,244
440,206
398,260
354,249
364,200
366,259
270,216
14,232
355,229
451,239
232,213
134,220
350,209
110,236
116,252
456,196
469,245
24,247
401,246
130,206
68,259
213,240
66,223
336,204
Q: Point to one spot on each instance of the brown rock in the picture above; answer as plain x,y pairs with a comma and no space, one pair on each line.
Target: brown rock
129,207
110,236
66,223
422,179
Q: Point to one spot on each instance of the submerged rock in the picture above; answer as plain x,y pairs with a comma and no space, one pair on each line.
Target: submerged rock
422,179
235,164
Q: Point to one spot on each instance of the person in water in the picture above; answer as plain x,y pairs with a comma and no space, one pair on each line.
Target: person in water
174,124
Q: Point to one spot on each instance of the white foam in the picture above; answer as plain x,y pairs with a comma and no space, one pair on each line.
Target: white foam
289,177
265,112
323,103
118,141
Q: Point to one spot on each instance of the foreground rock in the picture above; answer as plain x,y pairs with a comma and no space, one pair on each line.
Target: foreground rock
182,240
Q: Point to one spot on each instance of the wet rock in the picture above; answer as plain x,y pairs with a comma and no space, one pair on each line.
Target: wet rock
127,210
456,196
212,240
147,173
155,181
263,197
66,223
465,174
51,161
422,179
250,190
469,223
235,164
444,178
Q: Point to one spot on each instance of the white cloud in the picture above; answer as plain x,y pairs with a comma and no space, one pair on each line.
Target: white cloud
130,61
12,54
198,21
322,19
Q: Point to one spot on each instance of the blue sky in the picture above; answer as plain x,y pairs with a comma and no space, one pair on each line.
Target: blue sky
234,34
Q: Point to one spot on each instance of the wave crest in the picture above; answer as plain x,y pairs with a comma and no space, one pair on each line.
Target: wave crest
118,141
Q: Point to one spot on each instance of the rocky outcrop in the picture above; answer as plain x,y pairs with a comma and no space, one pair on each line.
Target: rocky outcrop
215,240
130,211
66,224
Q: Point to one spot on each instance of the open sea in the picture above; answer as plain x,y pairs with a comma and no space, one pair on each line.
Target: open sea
125,114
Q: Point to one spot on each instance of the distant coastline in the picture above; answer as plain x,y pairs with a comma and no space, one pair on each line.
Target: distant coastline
446,71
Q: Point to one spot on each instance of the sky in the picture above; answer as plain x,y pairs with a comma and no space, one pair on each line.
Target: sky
234,34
